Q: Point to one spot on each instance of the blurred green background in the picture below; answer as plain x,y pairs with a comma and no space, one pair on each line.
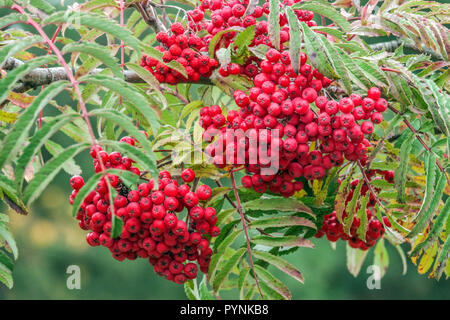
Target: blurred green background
49,241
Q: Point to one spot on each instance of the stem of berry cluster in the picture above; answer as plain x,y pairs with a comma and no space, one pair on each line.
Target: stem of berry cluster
244,225
366,180
419,138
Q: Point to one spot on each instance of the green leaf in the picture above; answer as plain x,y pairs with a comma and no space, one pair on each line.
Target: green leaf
324,9
280,263
95,21
424,219
150,80
400,172
190,107
220,246
337,63
14,47
147,162
130,93
286,241
190,291
14,141
442,258
223,274
46,174
355,260
441,109
316,53
97,51
204,292
244,39
273,282
372,72
278,204
430,169
260,51
37,140
10,195
6,278
55,149
7,83
339,202
355,73
282,221
6,261
243,276
43,5
274,23
12,18
295,41
437,228
362,216
402,257
351,206
218,37
126,123
381,257
7,236
330,31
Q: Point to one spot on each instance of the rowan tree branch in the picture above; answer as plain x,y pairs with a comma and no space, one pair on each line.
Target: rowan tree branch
44,76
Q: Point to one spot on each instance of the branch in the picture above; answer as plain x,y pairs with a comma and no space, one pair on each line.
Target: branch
44,76
150,19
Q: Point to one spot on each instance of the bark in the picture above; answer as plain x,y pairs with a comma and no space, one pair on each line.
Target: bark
44,76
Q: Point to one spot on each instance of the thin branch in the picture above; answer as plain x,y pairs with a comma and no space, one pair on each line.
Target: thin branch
366,180
244,225
43,76
150,19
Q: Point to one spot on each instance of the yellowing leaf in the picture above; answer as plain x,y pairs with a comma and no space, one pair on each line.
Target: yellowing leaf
7,117
20,99
427,259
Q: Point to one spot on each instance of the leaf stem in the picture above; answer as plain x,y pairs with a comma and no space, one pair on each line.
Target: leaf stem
244,225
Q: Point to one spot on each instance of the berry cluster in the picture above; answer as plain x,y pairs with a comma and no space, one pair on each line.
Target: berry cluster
184,49
334,230
308,132
152,226
188,47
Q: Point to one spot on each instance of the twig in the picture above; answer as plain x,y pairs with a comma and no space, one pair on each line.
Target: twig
244,225
366,180
219,184
151,20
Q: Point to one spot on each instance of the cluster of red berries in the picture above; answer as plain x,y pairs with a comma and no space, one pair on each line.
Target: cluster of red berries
308,132
334,230
186,46
152,227
184,49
